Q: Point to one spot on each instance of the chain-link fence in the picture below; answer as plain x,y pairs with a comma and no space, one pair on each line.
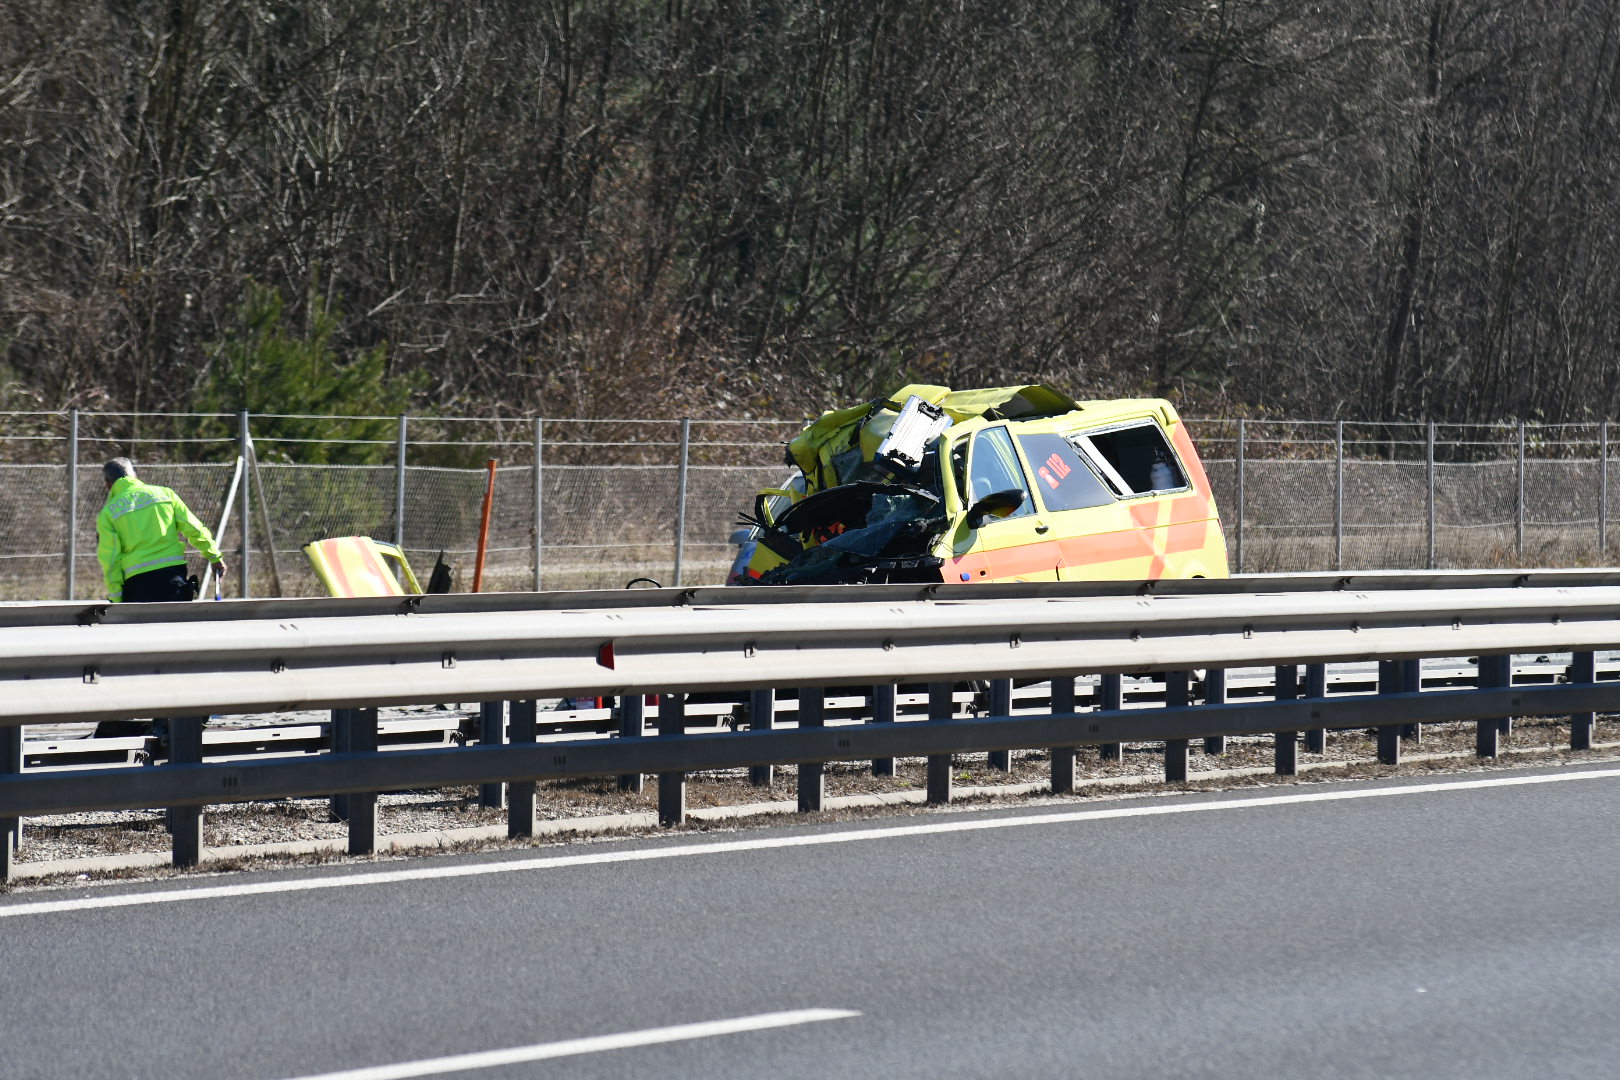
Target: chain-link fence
1329,495
595,503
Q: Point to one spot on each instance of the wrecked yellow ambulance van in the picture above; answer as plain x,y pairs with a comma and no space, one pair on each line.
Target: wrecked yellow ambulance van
1015,483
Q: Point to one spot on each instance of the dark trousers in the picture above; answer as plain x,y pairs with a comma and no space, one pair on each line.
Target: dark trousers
164,585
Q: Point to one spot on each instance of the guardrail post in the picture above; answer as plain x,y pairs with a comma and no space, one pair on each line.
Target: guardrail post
520,794
812,774
491,732
1582,669
883,709
186,822
1111,698
632,725
941,706
1285,744
1316,687
1389,735
1496,670
1176,685
1412,682
72,501
671,785
342,724
1285,753
1000,705
761,717
1285,682
363,804
1215,694
1064,758
11,763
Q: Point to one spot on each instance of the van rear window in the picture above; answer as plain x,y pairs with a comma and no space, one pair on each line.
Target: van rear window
1065,481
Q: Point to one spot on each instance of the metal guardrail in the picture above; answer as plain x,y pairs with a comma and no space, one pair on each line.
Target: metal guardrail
254,656
77,612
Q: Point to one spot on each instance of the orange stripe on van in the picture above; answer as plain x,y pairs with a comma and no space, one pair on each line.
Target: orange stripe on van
1138,553
1025,560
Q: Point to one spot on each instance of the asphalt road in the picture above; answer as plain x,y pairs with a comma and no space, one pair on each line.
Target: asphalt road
1450,930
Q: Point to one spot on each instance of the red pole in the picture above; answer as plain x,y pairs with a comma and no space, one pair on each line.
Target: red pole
483,529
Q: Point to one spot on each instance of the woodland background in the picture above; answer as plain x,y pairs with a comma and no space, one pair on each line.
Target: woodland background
1363,209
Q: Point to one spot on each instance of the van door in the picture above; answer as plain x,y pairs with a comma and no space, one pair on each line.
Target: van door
1019,546
1154,522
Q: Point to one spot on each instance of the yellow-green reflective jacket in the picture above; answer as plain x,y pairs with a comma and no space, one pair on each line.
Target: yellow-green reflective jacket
139,529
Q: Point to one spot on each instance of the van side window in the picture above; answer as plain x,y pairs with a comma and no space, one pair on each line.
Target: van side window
1133,460
1062,476
994,467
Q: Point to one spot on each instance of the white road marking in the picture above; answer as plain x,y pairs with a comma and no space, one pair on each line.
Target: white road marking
723,847
489,1059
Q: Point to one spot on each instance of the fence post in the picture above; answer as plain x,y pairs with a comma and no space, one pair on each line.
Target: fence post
399,483
244,515
539,488
1518,516
1238,518
1338,497
72,500
1428,460
680,498
1603,491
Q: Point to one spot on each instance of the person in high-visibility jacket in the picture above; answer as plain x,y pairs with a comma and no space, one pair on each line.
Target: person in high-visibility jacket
139,539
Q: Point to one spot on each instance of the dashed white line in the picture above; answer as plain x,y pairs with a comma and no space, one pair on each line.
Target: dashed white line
517,1055
723,847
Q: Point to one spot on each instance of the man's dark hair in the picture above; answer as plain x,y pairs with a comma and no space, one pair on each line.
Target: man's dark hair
117,468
